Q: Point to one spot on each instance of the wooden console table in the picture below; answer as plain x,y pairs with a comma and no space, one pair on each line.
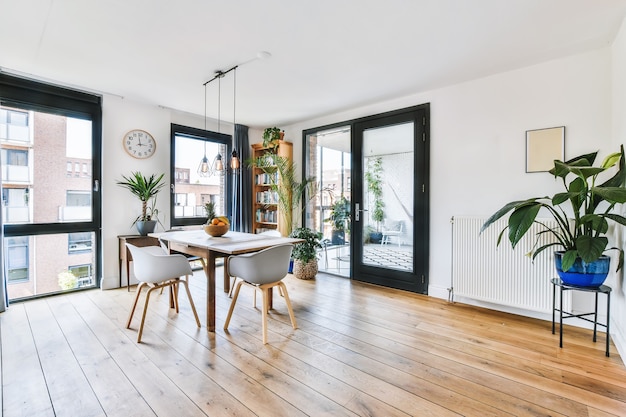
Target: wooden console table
126,257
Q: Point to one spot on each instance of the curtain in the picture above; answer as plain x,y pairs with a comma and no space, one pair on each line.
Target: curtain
4,300
242,183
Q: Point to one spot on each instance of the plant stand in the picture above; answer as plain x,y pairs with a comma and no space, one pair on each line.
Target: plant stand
604,289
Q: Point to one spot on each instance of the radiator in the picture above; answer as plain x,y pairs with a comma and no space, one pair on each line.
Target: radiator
501,275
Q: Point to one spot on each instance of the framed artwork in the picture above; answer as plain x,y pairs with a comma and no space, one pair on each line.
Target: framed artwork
543,146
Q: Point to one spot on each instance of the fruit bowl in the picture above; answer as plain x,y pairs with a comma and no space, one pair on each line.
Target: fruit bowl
214,230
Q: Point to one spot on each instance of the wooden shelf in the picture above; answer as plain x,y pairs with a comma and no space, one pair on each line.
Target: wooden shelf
265,211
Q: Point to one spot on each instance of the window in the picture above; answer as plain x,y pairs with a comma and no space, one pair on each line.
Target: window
79,242
16,258
15,157
51,144
14,125
190,189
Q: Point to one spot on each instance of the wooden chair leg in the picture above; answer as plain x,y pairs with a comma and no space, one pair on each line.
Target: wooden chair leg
288,302
232,305
174,289
145,311
264,290
132,310
193,307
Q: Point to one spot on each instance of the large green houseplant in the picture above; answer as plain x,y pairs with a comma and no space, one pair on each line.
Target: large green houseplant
146,190
581,229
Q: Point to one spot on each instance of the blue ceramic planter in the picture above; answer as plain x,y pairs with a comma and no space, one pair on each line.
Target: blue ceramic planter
583,274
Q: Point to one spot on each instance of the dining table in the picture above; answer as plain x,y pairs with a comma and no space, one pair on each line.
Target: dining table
198,243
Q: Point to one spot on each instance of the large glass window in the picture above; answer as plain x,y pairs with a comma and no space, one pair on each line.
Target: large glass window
191,188
49,138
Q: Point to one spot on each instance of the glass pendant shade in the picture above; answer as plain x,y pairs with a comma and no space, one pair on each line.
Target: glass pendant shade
218,165
235,164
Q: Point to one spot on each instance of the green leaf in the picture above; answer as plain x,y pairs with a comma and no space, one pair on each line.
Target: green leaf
611,160
616,218
520,221
611,194
586,172
498,214
596,222
591,248
568,259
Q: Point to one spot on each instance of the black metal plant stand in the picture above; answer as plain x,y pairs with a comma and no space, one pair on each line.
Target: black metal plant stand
604,289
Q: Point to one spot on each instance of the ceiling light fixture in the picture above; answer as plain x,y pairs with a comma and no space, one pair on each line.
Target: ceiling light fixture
234,165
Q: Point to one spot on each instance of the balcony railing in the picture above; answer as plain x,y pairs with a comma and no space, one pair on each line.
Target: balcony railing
74,213
15,174
12,215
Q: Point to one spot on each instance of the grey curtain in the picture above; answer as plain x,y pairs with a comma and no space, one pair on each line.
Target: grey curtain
242,183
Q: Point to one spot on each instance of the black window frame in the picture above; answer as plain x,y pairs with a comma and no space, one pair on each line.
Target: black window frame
34,95
197,134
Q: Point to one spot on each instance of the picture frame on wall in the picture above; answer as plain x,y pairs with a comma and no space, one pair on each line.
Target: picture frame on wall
543,146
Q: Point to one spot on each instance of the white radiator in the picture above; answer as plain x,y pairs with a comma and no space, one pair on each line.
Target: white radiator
501,275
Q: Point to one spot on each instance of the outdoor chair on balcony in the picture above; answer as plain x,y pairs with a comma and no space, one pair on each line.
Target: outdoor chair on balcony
392,229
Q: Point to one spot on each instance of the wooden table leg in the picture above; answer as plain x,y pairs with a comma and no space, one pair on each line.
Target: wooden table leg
210,291
226,277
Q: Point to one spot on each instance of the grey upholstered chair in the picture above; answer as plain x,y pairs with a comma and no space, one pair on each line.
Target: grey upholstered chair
263,271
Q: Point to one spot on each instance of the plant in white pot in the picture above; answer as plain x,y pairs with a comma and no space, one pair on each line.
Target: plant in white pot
581,230
146,189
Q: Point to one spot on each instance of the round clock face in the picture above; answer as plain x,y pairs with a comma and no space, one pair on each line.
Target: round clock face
139,144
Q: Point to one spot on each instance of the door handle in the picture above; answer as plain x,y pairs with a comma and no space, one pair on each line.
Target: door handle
357,212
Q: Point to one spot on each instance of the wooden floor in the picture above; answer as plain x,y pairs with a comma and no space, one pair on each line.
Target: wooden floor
359,350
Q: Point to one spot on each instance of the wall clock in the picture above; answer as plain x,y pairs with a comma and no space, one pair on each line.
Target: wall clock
139,144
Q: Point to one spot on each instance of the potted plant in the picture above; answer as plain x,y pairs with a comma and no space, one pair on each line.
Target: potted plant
340,219
582,238
374,178
146,189
271,136
305,253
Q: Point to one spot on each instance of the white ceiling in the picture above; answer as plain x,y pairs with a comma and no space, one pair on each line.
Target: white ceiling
326,55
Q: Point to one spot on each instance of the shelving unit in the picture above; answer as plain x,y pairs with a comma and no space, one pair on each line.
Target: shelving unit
265,213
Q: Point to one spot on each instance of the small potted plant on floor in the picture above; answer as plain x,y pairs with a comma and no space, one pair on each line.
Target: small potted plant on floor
581,236
305,253
146,189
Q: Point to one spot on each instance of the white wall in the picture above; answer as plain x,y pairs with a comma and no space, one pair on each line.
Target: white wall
618,302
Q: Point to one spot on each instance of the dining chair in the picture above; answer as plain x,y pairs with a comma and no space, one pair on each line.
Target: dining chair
262,271
155,271
269,233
